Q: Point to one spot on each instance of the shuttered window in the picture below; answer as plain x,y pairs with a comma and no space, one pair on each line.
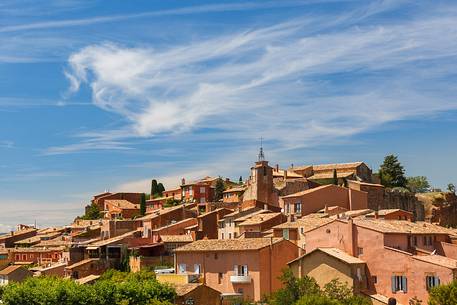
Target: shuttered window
431,281
399,283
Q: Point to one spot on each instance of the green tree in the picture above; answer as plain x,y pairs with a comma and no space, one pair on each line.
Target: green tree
392,172
160,189
219,191
335,177
317,300
114,287
337,290
451,188
414,301
91,212
418,184
143,204
293,289
444,294
154,188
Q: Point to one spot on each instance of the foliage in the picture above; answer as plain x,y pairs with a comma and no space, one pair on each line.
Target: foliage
418,184
154,190
317,300
305,291
171,202
143,204
444,294
220,187
160,189
335,177
293,289
392,173
451,188
114,287
92,212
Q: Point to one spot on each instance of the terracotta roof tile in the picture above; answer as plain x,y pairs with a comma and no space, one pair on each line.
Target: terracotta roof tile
307,223
10,269
438,260
176,238
123,204
228,244
401,226
336,253
258,219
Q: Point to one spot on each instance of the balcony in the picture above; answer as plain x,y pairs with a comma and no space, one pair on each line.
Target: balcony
240,279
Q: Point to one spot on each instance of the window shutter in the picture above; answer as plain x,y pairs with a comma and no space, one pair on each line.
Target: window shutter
437,281
404,283
393,283
235,270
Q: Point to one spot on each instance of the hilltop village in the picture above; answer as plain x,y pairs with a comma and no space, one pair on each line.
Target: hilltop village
215,239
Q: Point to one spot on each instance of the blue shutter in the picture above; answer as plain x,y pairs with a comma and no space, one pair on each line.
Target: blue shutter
404,283
393,283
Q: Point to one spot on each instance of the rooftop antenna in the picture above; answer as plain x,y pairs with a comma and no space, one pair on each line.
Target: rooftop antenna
261,155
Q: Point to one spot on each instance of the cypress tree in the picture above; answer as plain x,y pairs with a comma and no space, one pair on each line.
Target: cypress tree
143,204
160,189
153,188
219,192
335,177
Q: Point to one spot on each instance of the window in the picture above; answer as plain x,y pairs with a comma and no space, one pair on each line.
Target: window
399,283
220,278
202,190
431,281
230,235
287,208
182,268
202,200
414,241
240,270
197,268
234,234
374,279
298,207
360,251
285,234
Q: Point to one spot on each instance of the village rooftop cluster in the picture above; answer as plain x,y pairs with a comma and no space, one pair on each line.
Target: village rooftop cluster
325,221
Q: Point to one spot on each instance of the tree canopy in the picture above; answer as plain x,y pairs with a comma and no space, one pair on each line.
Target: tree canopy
114,287
392,173
418,184
444,294
92,212
220,187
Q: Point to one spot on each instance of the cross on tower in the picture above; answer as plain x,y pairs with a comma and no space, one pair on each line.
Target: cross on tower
261,155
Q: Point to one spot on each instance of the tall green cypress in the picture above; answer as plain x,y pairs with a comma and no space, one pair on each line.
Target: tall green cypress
143,204
335,177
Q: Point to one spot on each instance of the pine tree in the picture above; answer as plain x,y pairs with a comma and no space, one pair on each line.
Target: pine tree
160,189
218,193
392,172
143,204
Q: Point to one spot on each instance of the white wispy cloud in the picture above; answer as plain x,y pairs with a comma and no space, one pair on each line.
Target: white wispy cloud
300,82
208,8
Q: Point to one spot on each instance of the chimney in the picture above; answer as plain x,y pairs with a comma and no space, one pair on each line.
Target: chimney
183,181
351,236
285,174
12,233
277,167
326,209
376,215
265,206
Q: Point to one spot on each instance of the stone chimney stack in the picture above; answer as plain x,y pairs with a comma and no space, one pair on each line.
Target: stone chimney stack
285,174
183,181
277,167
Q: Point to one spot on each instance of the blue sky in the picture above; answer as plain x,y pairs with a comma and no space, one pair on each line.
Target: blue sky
99,95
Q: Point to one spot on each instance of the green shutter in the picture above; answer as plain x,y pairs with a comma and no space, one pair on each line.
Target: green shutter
393,283
404,283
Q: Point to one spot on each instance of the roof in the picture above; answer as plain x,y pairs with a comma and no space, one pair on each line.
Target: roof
176,238
122,204
309,191
162,211
336,166
365,183
183,289
10,269
438,260
329,175
228,244
109,241
246,217
235,189
36,249
290,174
388,211
88,279
336,253
16,233
83,262
402,226
260,218
307,223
